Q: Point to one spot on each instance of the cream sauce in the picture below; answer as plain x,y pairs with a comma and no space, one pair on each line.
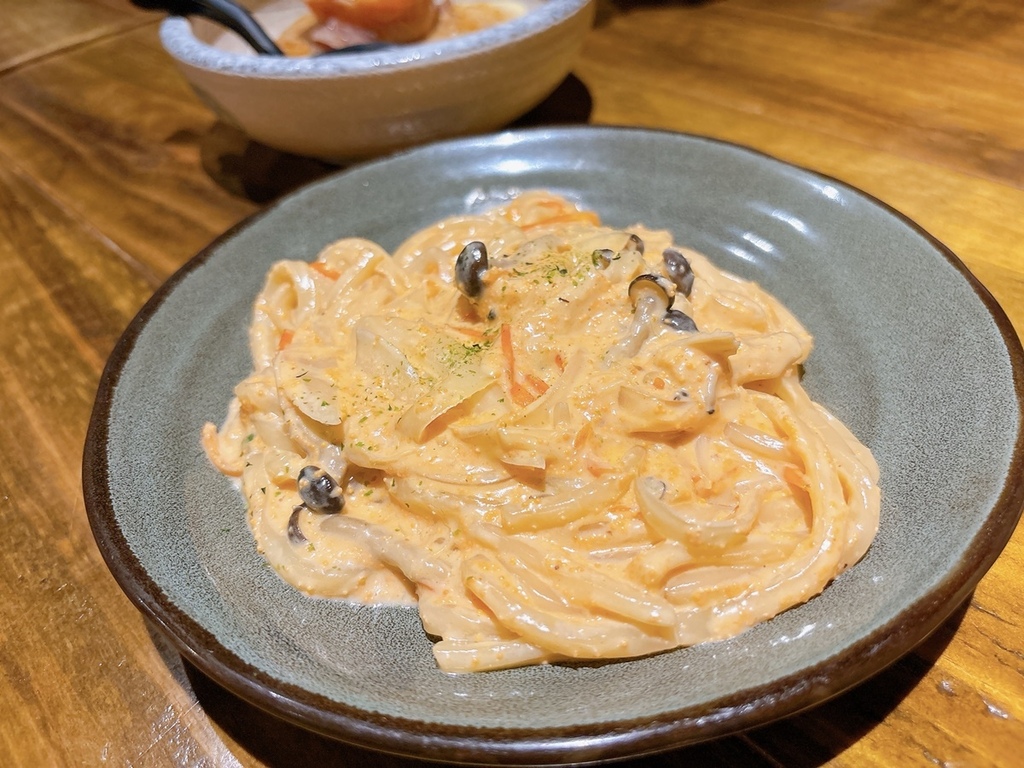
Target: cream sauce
546,468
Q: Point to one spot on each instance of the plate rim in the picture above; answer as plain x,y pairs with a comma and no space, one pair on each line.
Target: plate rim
604,740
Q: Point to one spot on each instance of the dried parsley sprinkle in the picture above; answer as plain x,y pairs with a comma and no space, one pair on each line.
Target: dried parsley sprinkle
459,353
553,271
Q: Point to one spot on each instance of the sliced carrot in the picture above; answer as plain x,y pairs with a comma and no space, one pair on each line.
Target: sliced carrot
285,339
582,436
535,383
323,269
520,395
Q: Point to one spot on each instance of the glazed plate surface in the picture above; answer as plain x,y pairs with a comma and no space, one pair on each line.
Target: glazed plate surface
910,351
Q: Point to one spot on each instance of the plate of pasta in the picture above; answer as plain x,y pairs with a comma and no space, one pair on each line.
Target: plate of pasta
557,446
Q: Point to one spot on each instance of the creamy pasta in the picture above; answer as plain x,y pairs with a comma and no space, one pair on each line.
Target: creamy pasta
560,440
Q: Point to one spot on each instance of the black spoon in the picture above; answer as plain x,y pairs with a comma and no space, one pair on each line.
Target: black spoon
236,18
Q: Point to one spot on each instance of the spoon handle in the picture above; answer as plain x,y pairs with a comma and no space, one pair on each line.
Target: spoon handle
224,12
241,21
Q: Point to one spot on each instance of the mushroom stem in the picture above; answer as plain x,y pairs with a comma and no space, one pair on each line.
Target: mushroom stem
295,534
652,296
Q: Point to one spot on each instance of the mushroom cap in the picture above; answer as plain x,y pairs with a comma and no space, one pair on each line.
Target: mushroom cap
470,267
679,269
679,320
656,284
319,491
635,243
602,257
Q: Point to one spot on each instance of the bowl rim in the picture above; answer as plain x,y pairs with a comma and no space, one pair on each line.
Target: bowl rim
179,40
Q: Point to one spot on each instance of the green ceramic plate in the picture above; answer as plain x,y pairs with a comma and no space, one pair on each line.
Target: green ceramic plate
911,352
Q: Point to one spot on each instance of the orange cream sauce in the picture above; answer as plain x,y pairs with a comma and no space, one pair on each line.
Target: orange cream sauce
538,460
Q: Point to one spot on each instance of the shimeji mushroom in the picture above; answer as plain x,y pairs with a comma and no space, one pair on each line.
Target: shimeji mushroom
319,493
469,269
652,297
679,270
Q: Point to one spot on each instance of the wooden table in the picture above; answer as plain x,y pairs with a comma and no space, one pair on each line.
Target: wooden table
112,174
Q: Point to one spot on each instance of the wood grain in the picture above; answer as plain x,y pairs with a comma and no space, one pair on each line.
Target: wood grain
919,100
113,174
33,30
113,134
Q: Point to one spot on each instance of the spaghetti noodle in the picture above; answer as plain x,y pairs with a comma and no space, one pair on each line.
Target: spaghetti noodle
560,440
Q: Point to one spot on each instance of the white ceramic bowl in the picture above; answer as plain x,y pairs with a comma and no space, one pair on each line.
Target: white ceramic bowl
365,104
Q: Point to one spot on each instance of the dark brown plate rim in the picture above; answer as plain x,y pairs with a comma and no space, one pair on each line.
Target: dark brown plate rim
752,707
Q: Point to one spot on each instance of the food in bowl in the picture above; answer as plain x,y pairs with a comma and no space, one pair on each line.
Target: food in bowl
335,24
399,21
304,28
560,440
